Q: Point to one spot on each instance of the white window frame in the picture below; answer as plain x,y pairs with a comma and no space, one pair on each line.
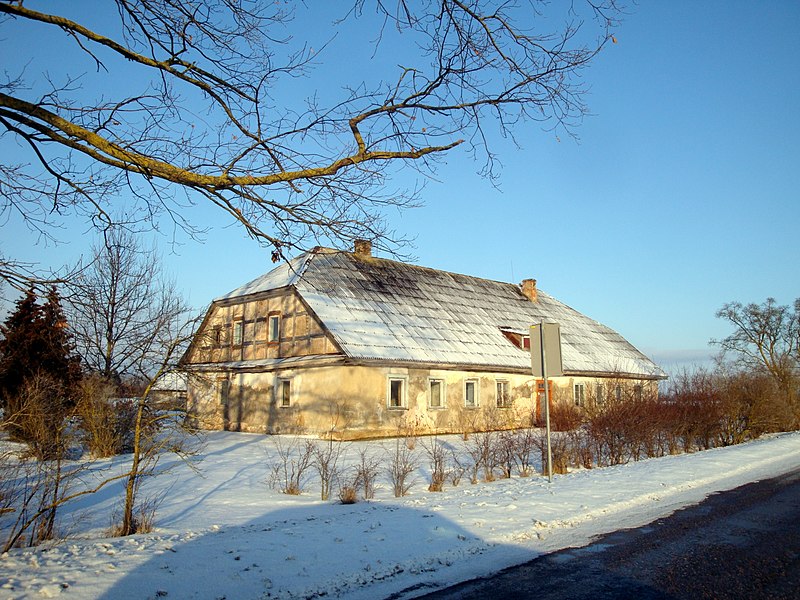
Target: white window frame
403,392
600,393
579,394
476,396
442,393
508,403
274,328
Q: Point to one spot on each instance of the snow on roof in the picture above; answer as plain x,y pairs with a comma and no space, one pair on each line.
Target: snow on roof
286,274
378,309
171,381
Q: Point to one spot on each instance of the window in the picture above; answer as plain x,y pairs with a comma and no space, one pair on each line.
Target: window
579,394
216,335
526,342
637,391
471,393
600,393
503,397
238,329
274,328
285,392
397,392
618,393
436,393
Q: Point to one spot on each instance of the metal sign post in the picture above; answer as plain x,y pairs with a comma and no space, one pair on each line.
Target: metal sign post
546,357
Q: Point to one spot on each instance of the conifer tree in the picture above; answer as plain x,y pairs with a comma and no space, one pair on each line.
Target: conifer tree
20,342
38,370
58,358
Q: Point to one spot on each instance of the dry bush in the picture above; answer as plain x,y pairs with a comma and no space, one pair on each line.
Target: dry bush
143,518
565,416
348,494
524,444
695,399
39,418
287,472
608,431
367,472
505,452
481,450
402,462
107,424
325,461
457,467
437,459
559,449
348,487
580,449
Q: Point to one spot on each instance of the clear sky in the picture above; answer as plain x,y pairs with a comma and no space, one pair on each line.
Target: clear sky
682,194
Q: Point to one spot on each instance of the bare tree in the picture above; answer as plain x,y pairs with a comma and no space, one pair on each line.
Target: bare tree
230,103
156,432
766,337
121,307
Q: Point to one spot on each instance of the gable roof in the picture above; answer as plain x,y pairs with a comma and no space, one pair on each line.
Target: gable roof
383,310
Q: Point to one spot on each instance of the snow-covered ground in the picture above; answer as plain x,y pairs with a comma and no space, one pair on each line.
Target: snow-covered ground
223,533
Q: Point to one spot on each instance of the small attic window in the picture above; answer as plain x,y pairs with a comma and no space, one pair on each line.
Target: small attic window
274,328
517,337
216,336
238,331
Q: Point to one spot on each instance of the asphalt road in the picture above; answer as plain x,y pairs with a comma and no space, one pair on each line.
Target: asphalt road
740,544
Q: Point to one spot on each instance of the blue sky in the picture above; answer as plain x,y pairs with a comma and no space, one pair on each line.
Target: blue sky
682,193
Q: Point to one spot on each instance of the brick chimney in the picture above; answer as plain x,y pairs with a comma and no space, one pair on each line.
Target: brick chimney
528,287
363,248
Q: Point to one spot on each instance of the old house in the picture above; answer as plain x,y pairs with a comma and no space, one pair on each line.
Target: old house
352,345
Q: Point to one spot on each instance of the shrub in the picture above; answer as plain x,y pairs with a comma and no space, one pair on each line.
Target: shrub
437,458
287,472
565,416
325,460
107,425
402,462
348,494
39,417
367,472
524,444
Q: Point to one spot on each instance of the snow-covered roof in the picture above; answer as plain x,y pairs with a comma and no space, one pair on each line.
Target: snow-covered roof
378,309
285,274
171,381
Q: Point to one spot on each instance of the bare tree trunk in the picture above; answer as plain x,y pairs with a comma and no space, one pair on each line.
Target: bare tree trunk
132,484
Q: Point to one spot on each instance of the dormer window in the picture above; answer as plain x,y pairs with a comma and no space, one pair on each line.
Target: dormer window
521,339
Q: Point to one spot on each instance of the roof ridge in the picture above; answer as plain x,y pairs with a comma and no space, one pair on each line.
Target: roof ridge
421,267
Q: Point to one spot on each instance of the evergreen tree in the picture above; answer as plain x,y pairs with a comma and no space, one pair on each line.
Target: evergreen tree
58,358
19,344
38,371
